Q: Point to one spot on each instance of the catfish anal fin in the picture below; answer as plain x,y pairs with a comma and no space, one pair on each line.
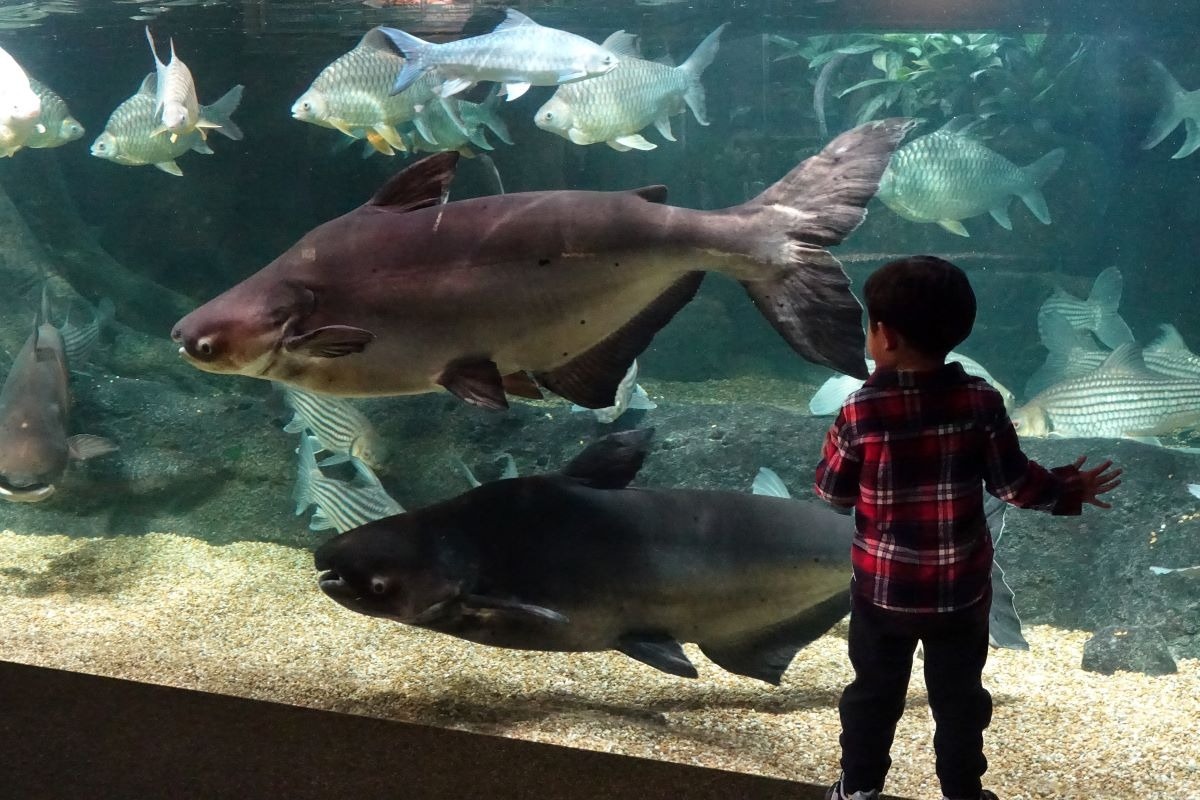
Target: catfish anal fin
767,656
591,378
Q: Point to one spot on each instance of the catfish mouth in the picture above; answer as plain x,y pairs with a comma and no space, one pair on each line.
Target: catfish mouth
33,493
336,587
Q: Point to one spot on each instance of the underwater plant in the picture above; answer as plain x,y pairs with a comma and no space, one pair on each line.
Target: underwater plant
1002,79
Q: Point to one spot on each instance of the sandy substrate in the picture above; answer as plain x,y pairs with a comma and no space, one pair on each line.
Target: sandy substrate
247,619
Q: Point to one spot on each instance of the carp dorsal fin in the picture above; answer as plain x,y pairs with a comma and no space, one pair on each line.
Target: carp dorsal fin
149,84
622,44
611,462
376,39
423,184
513,19
656,193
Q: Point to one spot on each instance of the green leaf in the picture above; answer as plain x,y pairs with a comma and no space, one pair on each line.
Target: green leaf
863,85
857,49
880,60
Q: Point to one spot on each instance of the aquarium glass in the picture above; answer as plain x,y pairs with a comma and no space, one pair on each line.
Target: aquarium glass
173,457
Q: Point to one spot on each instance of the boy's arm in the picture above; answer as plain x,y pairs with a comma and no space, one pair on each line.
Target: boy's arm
837,474
1013,477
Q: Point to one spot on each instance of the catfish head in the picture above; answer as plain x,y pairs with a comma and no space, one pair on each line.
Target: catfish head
256,326
30,463
388,569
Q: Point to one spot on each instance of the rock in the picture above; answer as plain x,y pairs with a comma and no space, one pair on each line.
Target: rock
1128,648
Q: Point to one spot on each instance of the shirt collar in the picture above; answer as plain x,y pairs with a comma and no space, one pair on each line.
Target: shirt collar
948,374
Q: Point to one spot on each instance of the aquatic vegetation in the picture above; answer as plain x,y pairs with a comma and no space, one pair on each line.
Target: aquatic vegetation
1002,79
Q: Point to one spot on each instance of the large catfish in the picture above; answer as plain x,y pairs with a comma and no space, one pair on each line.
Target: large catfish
35,411
575,561
406,293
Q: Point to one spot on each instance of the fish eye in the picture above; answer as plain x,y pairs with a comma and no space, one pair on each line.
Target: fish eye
549,115
205,347
306,106
378,585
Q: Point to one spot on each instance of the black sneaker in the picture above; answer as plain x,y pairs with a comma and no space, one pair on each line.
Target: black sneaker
835,793
985,794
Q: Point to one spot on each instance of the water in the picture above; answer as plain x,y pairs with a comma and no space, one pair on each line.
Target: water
186,538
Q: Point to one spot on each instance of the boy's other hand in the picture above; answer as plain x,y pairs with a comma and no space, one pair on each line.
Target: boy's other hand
1097,481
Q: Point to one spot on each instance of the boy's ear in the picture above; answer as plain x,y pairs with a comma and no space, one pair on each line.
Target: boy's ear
891,338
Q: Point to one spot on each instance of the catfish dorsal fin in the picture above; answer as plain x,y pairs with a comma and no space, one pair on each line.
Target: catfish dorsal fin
423,184
653,194
611,462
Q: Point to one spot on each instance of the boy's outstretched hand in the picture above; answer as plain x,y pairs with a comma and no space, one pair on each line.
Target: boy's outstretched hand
1097,481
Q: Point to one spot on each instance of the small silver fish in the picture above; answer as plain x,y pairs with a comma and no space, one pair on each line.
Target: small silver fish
55,125
519,53
439,132
1122,398
629,396
1178,106
175,102
129,136
338,426
341,505
613,108
1098,313
948,176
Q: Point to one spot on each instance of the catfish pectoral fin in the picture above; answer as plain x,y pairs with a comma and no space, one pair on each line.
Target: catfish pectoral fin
84,446
661,652
476,381
514,608
332,341
522,385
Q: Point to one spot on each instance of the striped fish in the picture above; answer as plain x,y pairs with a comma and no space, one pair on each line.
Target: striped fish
1098,313
339,427
1169,355
1123,398
78,340
1074,353
341,505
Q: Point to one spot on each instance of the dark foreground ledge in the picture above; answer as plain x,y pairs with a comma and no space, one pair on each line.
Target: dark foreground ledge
66,735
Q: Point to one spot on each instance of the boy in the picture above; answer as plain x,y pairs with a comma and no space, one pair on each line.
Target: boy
909,452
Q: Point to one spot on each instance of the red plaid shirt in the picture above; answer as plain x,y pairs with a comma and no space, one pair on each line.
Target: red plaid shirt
909,451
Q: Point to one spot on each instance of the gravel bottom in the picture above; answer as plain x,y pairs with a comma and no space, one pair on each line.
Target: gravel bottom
247,619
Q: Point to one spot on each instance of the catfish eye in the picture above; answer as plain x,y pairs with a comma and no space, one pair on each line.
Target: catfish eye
378,585
204,347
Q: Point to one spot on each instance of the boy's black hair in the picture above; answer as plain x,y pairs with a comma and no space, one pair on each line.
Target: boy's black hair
926,299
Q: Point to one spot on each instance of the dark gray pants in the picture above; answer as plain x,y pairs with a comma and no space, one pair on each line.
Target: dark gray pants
882,644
